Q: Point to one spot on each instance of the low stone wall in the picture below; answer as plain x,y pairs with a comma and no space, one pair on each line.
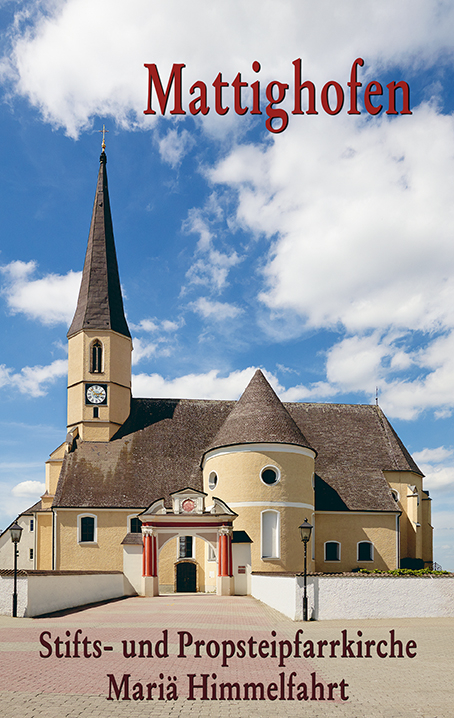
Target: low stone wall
47,591
354,596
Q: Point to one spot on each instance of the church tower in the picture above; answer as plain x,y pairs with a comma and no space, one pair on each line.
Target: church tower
99,342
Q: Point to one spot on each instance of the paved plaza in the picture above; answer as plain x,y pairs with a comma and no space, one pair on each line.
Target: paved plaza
199,655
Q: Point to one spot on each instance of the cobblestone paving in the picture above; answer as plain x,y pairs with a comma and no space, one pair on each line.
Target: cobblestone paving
63,682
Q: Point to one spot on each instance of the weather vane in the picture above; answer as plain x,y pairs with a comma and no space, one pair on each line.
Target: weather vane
103,137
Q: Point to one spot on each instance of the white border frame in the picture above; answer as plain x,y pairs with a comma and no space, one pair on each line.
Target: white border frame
278,531
274,468
212,488
79,529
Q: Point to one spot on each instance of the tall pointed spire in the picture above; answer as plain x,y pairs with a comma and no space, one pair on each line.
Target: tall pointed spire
100,303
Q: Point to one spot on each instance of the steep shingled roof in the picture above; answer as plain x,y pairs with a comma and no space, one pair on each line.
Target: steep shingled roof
100,303
258,417
160,447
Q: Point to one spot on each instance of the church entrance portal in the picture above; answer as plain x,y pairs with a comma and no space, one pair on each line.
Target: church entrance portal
186,577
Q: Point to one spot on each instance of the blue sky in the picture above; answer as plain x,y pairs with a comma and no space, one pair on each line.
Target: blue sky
323,254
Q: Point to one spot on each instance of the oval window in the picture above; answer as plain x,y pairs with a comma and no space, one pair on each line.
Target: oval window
212,480
269,476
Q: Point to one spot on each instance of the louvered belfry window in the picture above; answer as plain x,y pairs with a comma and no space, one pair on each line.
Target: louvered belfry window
96,357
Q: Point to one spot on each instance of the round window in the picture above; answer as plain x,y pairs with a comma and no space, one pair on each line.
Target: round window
212,480
269,475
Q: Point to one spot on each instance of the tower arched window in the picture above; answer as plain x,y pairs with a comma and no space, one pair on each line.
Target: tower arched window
96,357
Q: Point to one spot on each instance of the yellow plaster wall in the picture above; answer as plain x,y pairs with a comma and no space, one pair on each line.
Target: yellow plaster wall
168,557
210,567
427,538
291,546
44,541
116,373
116,357
239,476
53,468
239,482
106,554
415,541
349,528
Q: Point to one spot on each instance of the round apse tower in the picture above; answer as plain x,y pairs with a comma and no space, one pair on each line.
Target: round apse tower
262,466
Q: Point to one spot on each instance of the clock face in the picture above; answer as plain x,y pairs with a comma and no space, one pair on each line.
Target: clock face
96,393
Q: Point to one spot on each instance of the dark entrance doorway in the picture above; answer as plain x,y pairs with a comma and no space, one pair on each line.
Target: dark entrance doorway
186,577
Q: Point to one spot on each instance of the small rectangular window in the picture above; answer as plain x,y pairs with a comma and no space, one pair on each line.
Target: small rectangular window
32,525
332,551
185,547
365,551
211,553
135,526
31,554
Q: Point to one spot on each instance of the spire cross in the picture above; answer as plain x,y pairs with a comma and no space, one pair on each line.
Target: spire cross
103,146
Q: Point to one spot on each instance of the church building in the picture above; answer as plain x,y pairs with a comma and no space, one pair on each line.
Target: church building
194,495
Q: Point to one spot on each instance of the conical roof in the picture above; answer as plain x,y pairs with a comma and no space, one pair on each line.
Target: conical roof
100,303
259,417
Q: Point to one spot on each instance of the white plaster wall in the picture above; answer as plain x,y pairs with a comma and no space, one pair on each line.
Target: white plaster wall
132,565
357,597
54,593
38,594
277,592
381,597
6,595
241,555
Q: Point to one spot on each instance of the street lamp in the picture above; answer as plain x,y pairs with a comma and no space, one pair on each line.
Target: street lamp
16,532
305,532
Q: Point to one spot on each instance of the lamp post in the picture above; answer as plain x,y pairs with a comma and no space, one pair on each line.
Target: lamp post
305,531
16,532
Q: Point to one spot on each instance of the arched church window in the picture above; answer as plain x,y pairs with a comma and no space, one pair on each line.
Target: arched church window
365,551
332,551
86,528
270,534
96,357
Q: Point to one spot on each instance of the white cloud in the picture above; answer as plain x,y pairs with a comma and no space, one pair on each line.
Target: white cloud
438,466
211,266
80,58
164,335
28,488
51,299
174,145
145,325
197,386
218,311
367,244
33,380
317,390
